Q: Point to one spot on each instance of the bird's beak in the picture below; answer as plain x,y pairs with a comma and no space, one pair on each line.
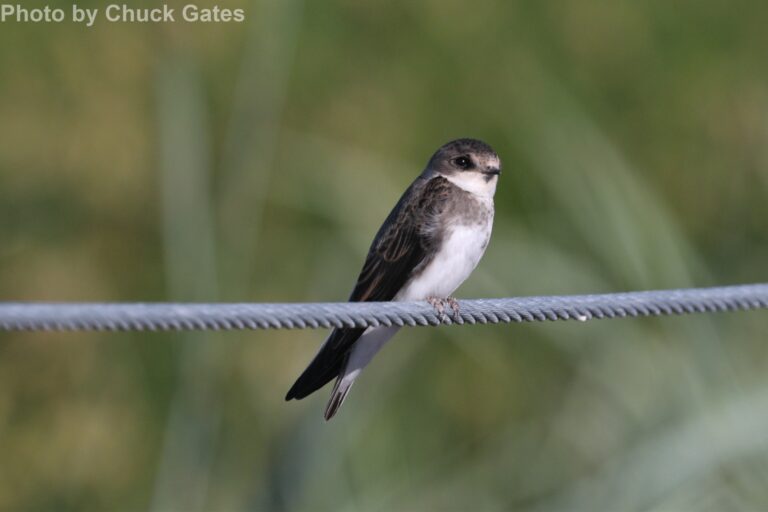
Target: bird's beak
493,171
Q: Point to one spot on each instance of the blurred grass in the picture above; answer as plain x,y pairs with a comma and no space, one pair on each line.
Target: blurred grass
255,162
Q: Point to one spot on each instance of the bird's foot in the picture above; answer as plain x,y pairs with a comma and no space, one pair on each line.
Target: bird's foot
439,303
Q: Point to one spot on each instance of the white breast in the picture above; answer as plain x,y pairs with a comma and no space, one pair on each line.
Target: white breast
459,254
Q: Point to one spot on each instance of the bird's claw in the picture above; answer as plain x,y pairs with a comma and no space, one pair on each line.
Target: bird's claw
440,303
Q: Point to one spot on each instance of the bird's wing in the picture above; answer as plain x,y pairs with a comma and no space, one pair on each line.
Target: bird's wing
404,242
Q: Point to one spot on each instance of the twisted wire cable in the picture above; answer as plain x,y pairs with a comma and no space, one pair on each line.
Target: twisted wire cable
31,316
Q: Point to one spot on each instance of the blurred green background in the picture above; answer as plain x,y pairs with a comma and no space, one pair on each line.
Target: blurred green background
255,161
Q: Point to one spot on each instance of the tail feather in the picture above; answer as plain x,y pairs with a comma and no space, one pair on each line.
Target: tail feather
339,359
339,393
313,378
327,364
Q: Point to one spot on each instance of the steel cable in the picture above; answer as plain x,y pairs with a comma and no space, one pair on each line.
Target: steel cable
34,316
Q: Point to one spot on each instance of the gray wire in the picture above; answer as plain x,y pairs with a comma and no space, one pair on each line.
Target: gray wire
31,316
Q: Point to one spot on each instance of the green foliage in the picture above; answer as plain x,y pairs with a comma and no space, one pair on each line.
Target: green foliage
254,162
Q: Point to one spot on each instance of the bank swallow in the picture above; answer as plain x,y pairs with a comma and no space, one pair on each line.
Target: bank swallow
428,245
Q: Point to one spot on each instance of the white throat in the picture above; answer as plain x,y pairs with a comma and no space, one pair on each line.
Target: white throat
475,183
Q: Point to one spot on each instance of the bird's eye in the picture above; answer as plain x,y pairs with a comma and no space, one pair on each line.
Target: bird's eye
462,162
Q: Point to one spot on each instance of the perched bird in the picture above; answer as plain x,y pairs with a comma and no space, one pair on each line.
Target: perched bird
428,245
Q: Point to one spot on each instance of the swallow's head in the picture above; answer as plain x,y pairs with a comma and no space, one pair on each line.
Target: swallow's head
469,164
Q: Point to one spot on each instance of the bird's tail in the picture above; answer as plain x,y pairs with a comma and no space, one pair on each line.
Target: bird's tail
340,389
361,354
327,364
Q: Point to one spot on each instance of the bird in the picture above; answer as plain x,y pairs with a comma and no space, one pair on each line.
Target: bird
426,248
